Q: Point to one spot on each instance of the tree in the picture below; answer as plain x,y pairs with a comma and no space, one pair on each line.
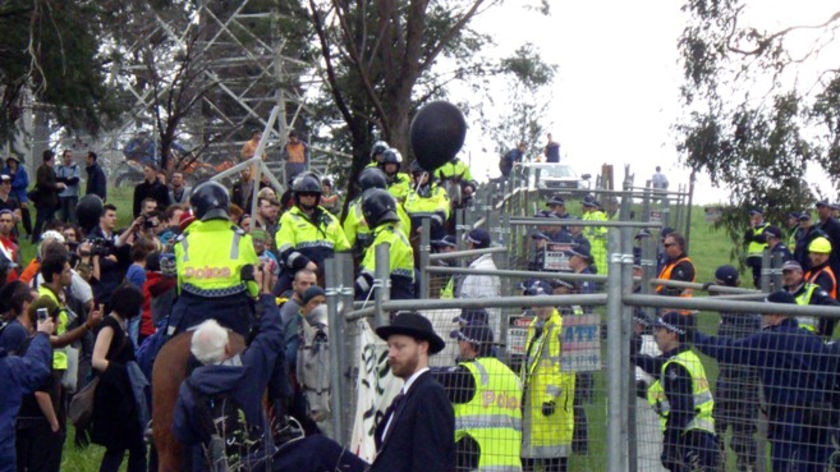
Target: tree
49,50
520,114
755,120
383,59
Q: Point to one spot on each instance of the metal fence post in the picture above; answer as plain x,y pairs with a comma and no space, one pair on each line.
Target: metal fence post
382,281
350,348
616,408
425,248
764,280
336,323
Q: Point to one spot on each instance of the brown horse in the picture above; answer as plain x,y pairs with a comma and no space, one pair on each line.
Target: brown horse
170,369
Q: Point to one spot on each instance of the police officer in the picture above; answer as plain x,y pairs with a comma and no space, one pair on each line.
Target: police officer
807,293
426,197
487,397
736,389
399,183
756,241
355,227
308,233
215,262
458,172
380,211
779,252
681,397
557,205
797,371
377,153
548,414
597,235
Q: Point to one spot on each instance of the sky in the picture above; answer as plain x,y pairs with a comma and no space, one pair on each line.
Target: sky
616,93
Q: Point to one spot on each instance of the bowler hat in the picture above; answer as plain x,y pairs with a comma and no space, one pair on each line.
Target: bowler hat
415,325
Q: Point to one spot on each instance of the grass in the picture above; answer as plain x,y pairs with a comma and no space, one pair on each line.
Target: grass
709,249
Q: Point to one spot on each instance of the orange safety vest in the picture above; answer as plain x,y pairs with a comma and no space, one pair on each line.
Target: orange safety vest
665,274
828,270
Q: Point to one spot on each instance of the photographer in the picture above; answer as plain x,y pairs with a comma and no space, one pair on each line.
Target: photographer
107,252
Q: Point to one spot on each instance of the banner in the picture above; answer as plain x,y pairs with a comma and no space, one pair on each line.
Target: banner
376,387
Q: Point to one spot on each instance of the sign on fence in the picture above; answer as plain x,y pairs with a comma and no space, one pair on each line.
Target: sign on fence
581,340
581,343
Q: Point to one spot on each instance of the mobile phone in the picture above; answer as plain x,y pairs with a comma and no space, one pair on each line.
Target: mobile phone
43,314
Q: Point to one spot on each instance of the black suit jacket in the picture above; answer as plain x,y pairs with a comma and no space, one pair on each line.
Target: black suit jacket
421,437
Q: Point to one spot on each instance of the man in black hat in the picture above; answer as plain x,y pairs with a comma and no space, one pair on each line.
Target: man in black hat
797,373
487,397
755,242
415,434
681,396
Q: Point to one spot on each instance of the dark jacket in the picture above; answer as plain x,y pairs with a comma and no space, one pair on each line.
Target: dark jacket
97,183
800,252
796,367
155,190
246,381
831,227
47,185
20,182
420,437
19,376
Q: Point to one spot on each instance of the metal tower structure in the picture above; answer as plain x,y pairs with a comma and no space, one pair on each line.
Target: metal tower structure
230,58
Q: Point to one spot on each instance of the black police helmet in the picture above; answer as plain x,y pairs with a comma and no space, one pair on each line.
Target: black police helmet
391,156
372,177
415,168
378,148
306,183
378,206
210,200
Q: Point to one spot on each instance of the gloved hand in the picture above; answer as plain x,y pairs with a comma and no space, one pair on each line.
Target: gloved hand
548,408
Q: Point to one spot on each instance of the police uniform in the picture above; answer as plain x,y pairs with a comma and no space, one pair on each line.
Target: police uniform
456,170
798,373
682,399
597,236
808,293
486,396
546,436
358,232
756,242
399,185
401,263
429,198
303,238
209,261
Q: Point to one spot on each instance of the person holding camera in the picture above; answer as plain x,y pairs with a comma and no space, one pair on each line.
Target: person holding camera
107,253
20,375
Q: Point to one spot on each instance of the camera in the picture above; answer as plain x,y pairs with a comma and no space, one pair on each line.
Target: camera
100,246
43,314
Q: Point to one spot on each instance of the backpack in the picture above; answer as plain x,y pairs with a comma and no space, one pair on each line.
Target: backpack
227,441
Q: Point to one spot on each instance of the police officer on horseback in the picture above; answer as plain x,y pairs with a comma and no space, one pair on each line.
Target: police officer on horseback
215,262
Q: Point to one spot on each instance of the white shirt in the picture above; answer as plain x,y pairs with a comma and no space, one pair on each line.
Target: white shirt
403,391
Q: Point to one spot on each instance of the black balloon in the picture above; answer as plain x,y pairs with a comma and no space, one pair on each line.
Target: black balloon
88,211
437,134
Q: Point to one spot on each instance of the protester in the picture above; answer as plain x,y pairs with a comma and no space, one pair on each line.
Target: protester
117,421
21,375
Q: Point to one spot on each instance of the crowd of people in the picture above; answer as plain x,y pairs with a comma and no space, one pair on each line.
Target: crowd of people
97,303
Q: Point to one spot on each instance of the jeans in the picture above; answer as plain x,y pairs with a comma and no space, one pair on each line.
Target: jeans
67,206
